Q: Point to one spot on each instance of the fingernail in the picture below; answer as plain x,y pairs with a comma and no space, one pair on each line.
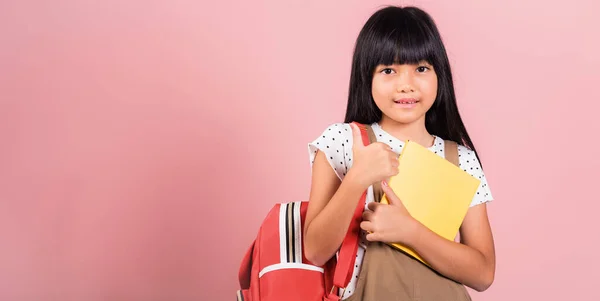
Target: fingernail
384,183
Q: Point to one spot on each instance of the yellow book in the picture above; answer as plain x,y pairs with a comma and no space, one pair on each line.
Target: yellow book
435,192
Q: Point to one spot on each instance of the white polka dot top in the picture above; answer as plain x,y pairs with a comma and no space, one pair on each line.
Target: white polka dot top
336,143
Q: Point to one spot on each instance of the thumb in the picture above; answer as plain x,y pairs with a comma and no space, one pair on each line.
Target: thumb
356,136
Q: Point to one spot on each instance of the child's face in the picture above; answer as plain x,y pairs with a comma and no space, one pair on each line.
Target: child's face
405,93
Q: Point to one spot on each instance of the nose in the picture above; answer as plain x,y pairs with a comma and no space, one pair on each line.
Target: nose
405,84
405,88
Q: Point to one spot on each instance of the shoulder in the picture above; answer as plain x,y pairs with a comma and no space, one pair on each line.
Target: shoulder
463,150
469,162
336,134
338,129
466,154
335,142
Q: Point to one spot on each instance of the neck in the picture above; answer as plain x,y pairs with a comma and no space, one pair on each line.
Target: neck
415,131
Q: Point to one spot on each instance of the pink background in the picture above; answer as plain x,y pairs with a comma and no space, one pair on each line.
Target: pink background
143,142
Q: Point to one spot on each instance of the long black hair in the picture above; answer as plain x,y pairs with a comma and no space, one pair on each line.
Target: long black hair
404,35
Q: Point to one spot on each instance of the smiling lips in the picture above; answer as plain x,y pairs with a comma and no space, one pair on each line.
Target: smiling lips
406,102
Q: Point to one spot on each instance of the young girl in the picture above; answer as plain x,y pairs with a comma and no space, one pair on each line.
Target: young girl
401,85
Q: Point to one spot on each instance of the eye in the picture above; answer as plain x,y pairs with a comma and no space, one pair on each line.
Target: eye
422,69
387,71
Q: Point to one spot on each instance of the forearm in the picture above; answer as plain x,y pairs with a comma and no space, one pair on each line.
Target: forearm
454,260
326,232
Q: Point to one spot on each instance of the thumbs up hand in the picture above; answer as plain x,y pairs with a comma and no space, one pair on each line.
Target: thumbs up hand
372,163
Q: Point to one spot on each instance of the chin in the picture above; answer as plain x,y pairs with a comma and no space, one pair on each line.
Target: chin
406,118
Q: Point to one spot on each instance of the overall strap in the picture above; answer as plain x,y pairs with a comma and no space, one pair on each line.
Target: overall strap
451,151
377,190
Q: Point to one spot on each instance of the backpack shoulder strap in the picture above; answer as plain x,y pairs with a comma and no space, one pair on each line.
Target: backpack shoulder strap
347,252
371,134
451,151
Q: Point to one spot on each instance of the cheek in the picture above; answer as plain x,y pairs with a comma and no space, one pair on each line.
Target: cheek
428,88
379,91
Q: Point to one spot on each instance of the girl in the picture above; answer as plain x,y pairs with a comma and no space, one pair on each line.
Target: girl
401,85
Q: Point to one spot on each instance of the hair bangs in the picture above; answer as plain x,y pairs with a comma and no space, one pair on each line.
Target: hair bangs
408,41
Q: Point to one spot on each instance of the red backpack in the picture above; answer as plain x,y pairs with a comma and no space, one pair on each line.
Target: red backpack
275,268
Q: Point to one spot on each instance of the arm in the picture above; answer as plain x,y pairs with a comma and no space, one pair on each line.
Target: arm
471,262
331,206
332,202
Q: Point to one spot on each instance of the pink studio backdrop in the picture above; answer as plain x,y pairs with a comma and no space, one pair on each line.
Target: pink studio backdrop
142,143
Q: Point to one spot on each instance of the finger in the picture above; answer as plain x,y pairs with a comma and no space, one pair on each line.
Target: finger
357,141
373,237
384,146
373,206
393,170
389,193
367,215
367,226
394,157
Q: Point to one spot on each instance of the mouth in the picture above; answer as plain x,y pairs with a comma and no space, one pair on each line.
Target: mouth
406,101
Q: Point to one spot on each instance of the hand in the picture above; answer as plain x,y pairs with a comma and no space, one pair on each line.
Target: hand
390,223
373,163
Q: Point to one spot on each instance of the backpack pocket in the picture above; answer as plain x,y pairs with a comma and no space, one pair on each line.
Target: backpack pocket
292,281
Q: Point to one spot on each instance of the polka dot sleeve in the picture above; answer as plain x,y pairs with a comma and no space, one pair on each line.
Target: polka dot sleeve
469,163
334,143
